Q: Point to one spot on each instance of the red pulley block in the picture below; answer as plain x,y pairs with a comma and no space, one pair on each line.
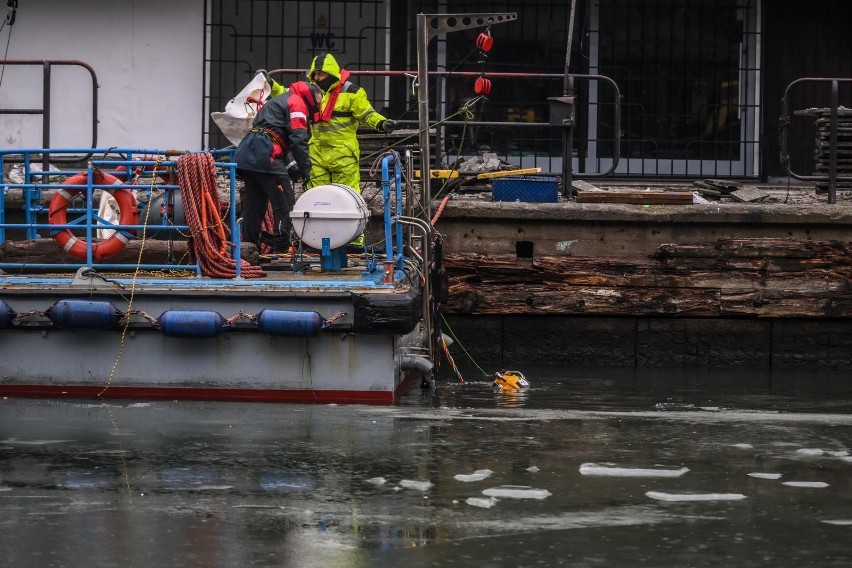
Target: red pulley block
484,42
482,86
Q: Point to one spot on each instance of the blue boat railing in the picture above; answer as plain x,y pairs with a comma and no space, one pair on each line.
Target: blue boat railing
127,171
131,167
393,229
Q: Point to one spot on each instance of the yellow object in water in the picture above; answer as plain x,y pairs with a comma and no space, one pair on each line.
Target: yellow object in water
510,381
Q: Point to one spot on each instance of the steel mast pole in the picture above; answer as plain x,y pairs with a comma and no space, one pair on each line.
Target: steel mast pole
428,27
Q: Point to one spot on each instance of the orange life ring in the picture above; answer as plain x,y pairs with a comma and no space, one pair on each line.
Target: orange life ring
57,214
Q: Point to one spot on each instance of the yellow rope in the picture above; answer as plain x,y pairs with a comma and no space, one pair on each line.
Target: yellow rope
128,311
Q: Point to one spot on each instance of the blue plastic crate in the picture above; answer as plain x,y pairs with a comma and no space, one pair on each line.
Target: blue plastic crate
530,189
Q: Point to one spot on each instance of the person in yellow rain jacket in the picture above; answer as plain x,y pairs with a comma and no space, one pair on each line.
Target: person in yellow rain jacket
334,150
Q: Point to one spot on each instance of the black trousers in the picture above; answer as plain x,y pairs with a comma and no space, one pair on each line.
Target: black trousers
260,190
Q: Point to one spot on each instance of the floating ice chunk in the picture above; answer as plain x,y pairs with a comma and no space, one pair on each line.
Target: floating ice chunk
610,470
838,454
847,458
477,475
810,451
841,522
517,492
743,446
377,480
4,488
481,502
533,469
695,496
812,484
210,488
765,475
418,485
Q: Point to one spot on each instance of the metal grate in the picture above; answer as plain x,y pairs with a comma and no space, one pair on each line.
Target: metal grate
274,34
687,70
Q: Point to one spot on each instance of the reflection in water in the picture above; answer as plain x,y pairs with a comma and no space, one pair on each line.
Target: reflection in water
511,399
587,467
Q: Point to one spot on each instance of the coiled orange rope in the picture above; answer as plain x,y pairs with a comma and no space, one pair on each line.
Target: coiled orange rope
209,236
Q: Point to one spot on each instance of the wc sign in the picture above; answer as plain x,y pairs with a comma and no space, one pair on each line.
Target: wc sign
323,37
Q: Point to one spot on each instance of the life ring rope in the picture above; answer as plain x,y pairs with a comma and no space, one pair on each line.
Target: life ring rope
77,247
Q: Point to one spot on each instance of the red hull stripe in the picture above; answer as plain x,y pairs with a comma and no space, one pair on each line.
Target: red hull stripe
165,393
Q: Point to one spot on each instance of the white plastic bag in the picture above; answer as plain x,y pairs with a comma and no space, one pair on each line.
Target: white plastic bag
240,111
108,211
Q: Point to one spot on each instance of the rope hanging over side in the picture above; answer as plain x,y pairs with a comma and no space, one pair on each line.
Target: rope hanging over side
208,233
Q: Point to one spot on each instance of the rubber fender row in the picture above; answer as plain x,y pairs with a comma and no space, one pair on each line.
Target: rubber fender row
103,315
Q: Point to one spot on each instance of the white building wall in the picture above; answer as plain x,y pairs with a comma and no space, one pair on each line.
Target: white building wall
148,56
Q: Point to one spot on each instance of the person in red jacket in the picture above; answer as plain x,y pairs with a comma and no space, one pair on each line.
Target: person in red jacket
280,128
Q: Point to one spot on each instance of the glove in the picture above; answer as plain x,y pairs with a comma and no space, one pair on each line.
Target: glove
387,125
293,171
265,75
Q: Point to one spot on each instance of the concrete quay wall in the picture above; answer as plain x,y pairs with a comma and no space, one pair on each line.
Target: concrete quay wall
628,231
788,313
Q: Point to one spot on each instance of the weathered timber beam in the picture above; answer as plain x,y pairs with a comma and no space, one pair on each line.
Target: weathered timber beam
581,300
46,251
764,303
730,277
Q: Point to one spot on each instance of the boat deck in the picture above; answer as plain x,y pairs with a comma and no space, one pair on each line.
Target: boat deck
362,273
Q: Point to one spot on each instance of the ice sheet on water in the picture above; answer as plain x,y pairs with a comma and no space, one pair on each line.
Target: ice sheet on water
612,470
660,496
760,475
477,475
821,452
15,440
517,492
481,502
418,485
811,484
622,516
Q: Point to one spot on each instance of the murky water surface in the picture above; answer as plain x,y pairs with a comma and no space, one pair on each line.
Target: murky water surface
588,468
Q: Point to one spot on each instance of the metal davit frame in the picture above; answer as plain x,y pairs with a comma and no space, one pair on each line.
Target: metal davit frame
430,26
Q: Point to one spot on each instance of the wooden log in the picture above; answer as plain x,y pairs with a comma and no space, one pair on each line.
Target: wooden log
46,251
